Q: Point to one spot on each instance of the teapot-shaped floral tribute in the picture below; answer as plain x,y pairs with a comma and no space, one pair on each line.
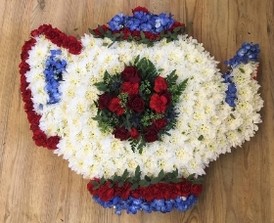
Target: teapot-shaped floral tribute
138,107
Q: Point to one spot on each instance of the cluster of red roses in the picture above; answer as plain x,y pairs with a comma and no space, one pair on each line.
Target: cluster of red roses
158,102
154,191
62,40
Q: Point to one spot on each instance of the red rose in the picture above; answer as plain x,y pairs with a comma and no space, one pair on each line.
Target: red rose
131,74
196,189
124,191
134,133
160,84
106,192
158,103
160,123
151,36
168,96
126,33
136,103
115,106
23,67
121,133
185,188
100,30
151,134
140,9
177,24
130,88
136,34
104,100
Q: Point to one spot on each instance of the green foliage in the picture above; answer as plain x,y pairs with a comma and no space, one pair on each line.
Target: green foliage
106,121
136,180
149,116
142,39
175,89
146,68
110,83
137,144
145,88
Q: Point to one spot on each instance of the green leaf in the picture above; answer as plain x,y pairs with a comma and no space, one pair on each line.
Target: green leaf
242,70
96,185
147,178
125,175
155,180
102,181
161,175
143,35
136,60
134,186
143,183
138,172
177,29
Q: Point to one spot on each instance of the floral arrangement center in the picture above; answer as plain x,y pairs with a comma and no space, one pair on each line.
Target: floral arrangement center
138,104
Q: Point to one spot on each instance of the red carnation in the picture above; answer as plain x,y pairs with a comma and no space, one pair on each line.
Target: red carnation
196,189
168,96
160,84
160,123
124,191
151,36
136,34
100,30
106,192
151,134
126,33
130,88
177,24
185,188
121,133
131,74
104,100
115,106
134,133
158,103
140,9
136,103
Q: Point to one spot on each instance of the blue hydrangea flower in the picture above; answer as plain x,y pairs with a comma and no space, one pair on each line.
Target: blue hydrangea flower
133,205
142,21
54,68
248,52
231,92
117,22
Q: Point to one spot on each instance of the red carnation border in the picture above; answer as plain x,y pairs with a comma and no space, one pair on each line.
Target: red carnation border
161,190
61,40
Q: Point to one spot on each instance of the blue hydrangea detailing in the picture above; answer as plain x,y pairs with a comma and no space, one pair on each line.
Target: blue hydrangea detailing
231,92
248,52
54,68
142,21
133,205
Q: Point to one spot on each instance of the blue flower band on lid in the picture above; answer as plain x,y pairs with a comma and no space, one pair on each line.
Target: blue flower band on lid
54,68
133,205
142,21
247,53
